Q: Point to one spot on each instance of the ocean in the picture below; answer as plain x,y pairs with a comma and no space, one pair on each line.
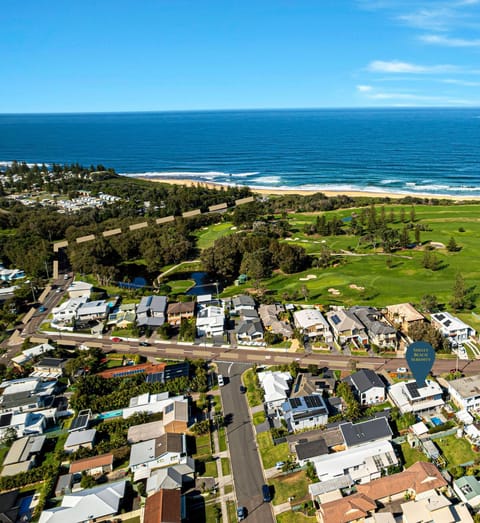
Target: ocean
435,151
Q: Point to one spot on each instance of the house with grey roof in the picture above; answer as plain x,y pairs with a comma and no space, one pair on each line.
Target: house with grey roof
270,316
367,386
171,477
347,327
80,438
168,449
22,455
93,310
307,450
305,412
242,302
87,505
248,330
151,311
467,489
366,432
306,383
379,332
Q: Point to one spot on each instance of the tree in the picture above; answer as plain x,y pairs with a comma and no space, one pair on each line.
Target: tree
452,245
9,436
429,303
461,296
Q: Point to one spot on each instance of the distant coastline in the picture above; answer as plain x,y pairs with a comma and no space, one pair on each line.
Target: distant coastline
304,192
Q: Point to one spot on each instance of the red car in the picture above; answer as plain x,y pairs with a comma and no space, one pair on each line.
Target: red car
116,340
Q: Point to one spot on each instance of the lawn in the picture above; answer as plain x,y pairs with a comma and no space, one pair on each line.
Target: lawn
179,286
269,452
3,453
222,439
254,392
295,517
225,466
456,450
211,469
232,512
208,235
289,485
411,456
211,511
406,280
203,445
259,417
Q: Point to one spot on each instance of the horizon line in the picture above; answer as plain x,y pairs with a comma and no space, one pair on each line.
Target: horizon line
259,109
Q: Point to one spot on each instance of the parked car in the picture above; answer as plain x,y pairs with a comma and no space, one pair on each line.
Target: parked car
267,497
221,383
116,340
243,389
402,370
42,309
241,513
144,344
279,465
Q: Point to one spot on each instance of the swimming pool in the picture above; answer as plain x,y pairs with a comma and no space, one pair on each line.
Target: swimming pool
110,414
24,507
436,421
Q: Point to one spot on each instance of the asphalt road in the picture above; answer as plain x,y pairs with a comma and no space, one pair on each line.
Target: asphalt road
247,470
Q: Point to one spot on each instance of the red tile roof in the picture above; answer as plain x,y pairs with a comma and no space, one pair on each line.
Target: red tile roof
163,507
91,463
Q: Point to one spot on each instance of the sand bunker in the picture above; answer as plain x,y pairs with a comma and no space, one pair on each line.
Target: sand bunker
356,287
333,291
308,277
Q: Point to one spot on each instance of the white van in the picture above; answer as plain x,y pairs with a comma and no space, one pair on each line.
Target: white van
221,383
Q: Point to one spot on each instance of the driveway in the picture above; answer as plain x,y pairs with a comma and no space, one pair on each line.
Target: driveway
246,467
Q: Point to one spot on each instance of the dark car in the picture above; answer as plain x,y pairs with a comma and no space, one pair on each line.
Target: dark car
241,513
144,344
267,497
243,389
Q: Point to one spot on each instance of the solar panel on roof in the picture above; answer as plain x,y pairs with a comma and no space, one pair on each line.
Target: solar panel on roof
80,422
5,419
336,319
413,390
447,323
440,317
295,402
313,402
158,377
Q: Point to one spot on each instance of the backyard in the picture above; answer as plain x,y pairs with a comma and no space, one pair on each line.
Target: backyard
457,451
293,485
269,452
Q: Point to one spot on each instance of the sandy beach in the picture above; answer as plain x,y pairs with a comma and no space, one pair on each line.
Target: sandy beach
353,194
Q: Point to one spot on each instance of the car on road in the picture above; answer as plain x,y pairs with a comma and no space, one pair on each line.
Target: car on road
220,380
267,497
243,389
66,276
402,370
116,340
144,344
241,513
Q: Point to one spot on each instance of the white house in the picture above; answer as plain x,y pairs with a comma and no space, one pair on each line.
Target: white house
305,412
28,354
67,311
242,302
363,463
87,505
150,403
79,289
276,386
312,324
347,327
24,423
367,386
210,321
93,310
168,449
465,392
452,328
80,438
408,397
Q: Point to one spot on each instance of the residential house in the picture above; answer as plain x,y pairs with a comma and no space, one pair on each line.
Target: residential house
11,274
306,451
210,321
248,331
241,303
367,386
26,394
49,368
93,466
408,397
152,403
270,316
123,316
311,323
9,506
130,370
165,506
93,311
151,311
24,423
306,383
79,289
81,420
465,392
168,449
87,505
379,332
66,312
173,477
145,431
29,354
347,328
78,439
64,485
434,507
22,455
365,432
363,463
305,412
452,328
352,508
276,386
176,416
467,489
403,316
176,312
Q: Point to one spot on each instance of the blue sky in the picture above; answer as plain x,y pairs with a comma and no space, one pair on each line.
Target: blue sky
128,55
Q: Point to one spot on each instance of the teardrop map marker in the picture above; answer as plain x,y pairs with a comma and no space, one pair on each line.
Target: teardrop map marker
420,358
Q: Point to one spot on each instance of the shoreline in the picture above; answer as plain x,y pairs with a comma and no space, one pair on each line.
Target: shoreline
187,182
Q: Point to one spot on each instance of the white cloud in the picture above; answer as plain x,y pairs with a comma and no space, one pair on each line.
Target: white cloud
464,83
364,88
449,41
396,67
